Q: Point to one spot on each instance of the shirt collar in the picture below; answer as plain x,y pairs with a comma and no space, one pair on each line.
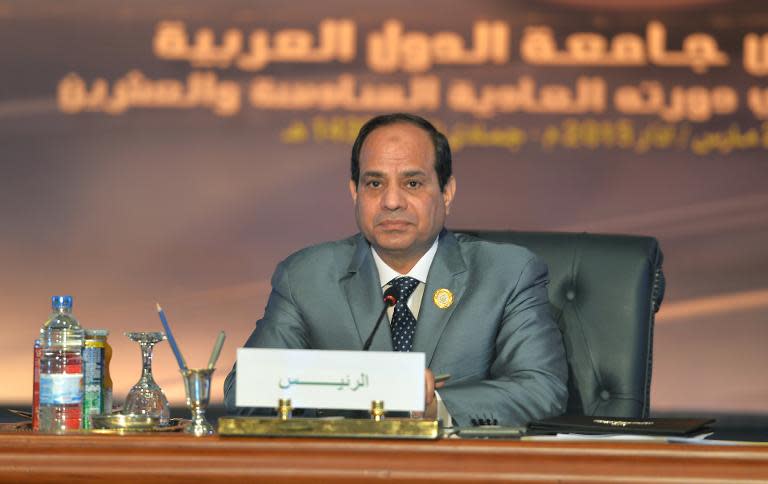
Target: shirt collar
419,271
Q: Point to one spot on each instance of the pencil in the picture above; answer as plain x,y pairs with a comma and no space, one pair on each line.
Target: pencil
171,339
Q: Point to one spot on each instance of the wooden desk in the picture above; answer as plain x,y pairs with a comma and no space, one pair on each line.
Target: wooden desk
170,458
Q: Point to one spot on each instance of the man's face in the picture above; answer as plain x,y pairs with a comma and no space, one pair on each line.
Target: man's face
398,203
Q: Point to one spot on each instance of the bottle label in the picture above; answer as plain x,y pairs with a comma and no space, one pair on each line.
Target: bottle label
61,389
93,372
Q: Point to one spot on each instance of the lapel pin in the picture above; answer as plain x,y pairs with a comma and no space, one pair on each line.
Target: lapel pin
443,298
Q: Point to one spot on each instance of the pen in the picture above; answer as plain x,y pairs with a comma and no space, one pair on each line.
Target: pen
216,350
442,377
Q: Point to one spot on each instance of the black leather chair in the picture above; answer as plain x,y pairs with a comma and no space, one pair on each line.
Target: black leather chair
604,291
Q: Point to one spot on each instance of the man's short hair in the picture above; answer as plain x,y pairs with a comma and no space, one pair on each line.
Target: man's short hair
442,149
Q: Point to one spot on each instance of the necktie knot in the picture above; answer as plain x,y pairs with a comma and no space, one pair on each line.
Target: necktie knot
404,287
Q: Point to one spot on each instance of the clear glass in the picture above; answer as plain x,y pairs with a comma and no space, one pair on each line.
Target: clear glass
146,397
197,385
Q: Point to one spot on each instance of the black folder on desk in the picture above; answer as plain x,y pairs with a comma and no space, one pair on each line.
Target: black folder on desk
674,427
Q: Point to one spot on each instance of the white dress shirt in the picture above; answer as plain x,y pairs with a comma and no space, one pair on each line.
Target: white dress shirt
418,272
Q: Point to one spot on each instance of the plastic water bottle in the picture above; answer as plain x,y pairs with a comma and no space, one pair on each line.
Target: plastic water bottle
38,352
61,369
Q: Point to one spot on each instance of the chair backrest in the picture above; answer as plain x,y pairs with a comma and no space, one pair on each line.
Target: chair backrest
604,291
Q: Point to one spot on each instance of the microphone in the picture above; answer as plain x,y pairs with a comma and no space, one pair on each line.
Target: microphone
390,299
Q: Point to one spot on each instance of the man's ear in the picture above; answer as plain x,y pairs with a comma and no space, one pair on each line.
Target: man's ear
353,190
449,191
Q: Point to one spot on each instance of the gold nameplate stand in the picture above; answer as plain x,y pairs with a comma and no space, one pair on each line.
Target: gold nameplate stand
284,425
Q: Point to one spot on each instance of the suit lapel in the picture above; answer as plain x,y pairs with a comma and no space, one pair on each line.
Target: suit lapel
447,272
362,288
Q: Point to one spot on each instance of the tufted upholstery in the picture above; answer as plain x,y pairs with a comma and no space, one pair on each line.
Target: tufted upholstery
604,291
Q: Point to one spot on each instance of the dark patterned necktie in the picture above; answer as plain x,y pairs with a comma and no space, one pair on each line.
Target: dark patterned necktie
403,322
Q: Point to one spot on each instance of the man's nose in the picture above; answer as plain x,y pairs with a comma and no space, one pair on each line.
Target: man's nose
393,198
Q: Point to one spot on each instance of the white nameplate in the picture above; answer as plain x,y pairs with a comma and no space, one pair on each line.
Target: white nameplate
330,379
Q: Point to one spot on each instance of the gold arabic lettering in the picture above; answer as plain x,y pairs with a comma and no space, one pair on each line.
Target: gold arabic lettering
336,40
699,52
589,95
725,142
346,92
755,57
392,49
757,101
693,103
134,90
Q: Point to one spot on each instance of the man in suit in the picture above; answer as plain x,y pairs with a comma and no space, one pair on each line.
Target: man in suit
478,310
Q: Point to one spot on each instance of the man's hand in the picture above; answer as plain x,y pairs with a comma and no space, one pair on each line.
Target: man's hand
430,401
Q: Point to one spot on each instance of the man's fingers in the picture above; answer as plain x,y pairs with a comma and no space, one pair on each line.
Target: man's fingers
441,379
429,386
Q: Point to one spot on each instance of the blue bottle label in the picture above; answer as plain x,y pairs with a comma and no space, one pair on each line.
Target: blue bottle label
61,389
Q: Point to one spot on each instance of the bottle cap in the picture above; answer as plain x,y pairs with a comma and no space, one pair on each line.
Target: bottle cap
61,302
99,333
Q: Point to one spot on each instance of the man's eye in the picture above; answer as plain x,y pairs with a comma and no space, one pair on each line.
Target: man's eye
374,183
414,184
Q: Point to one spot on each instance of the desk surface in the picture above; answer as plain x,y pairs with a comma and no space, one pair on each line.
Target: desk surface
26,457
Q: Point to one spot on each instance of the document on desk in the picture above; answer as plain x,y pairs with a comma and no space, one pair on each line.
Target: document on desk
619,437
580,424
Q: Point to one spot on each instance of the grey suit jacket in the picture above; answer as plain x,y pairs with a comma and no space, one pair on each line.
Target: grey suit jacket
497,340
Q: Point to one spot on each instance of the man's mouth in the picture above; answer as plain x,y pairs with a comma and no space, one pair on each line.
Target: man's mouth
393,224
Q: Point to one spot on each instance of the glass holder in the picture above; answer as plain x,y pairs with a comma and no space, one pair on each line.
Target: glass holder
197,386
